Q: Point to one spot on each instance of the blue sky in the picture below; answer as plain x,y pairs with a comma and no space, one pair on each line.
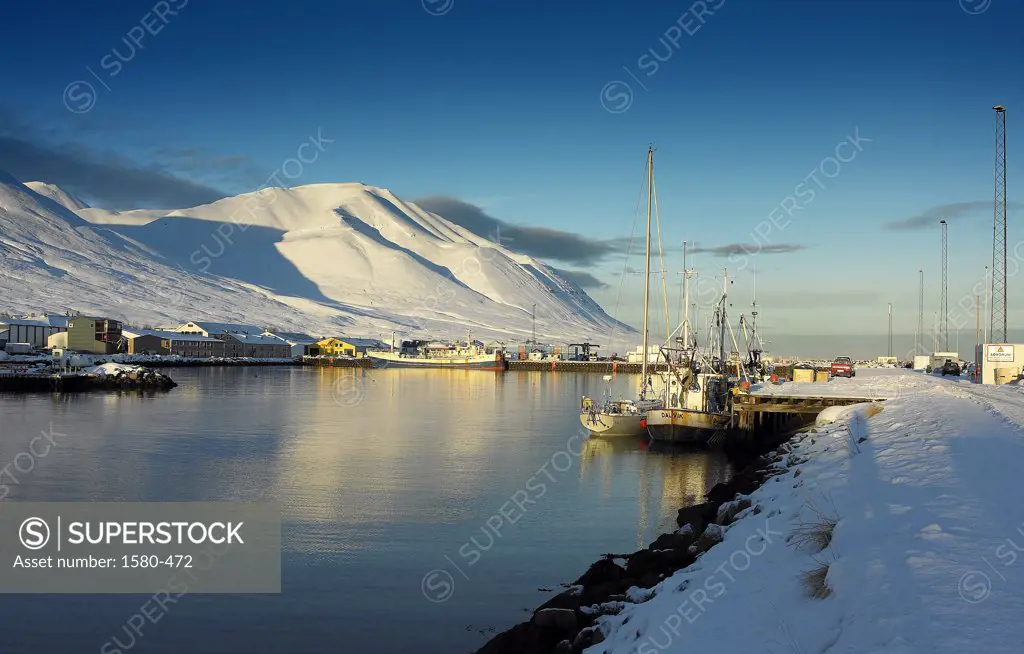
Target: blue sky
500,105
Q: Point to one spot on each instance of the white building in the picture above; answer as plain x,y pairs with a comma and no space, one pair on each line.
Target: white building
1001,363
205,328
34,330
653,355
299,343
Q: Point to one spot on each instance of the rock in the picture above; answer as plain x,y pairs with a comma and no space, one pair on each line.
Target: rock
602,572
650,580
564,620
566,600
674,541
713,535
728,511
587,638
656,562
697,515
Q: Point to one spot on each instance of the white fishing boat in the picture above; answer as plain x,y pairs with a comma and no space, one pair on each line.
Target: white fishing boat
435,354
626,417
695,389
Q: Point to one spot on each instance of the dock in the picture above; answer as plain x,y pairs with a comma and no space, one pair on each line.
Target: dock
583,366
41,383
758,413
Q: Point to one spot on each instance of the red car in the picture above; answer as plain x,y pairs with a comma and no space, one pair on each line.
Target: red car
843,367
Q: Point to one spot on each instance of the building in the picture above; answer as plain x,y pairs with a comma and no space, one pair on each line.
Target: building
299,343
157,341
143,341
361,345
347,347
88,334
204,328
332,347
255,346
1001,363
33,330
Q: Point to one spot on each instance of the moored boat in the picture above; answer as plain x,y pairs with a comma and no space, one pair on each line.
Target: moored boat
627,418
692,415
434,354
695,390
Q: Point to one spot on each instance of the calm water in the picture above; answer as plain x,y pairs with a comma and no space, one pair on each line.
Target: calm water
387,481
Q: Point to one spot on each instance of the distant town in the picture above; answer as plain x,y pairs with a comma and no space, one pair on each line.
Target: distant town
61,335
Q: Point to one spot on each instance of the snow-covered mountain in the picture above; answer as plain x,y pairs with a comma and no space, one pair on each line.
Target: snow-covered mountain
323,258
58,195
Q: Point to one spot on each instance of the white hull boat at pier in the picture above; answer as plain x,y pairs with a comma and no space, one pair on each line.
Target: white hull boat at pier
420,354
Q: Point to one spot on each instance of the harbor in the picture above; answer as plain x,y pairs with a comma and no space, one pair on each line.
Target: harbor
548,328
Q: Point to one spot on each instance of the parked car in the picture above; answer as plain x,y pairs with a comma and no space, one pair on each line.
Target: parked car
843,367
950,368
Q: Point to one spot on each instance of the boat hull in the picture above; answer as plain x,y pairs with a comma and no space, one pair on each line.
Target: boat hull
481,362
685,426
613,424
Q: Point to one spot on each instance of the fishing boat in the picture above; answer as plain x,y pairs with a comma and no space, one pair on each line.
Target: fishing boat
626,417
696,388
437,354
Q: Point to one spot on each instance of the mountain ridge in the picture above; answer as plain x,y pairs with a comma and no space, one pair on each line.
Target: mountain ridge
329,257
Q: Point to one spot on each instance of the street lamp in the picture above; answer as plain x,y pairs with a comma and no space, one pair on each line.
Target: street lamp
890,329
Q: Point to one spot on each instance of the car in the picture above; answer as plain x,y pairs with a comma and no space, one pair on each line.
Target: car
843,367
950,368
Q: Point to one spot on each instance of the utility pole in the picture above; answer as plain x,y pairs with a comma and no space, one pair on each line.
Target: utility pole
977,327
998,305
890,329
535,324
918,342
944,303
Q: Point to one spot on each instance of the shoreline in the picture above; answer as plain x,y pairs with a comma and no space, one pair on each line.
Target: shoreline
886,527
567,623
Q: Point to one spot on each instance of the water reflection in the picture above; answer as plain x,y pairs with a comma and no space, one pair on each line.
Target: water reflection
381,475
667,478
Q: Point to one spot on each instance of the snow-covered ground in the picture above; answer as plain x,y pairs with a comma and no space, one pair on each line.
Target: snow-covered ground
925,555
868,383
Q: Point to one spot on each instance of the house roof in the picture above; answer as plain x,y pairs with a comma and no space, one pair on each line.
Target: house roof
173,336
293,338
363,342
32,322
224,327
258,339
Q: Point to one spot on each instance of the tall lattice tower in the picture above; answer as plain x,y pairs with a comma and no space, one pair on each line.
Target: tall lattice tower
998,314
943,302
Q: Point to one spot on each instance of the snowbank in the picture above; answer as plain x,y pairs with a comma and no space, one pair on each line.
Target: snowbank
113,370
923,555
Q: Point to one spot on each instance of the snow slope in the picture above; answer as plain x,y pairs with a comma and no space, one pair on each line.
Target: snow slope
330,256
58,195
52,259
926,555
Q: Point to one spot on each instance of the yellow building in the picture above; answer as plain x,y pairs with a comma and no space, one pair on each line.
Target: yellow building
334,347
93,335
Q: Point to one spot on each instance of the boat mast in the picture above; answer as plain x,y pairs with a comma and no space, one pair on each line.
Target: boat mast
647,268
686,301
721,326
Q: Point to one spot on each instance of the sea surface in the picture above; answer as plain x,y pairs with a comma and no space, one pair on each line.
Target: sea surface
422,510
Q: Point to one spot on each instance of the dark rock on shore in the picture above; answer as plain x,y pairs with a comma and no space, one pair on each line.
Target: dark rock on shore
697,515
